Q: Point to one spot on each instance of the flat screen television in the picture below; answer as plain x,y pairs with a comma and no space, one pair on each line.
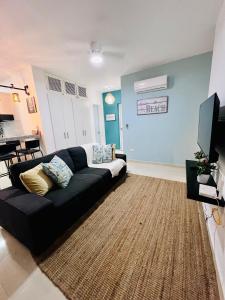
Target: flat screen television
207,127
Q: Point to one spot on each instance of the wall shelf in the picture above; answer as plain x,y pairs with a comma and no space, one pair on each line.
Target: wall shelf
193,185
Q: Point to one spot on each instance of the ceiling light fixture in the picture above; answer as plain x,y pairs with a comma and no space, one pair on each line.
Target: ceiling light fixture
96,57
109,98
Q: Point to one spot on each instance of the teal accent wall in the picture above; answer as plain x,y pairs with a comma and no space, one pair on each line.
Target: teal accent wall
112,132
170,137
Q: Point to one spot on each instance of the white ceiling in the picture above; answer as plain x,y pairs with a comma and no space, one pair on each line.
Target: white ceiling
55,35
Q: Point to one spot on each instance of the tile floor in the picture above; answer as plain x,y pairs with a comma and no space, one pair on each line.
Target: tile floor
21,279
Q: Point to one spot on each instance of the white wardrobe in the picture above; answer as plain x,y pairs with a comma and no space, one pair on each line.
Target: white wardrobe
70,114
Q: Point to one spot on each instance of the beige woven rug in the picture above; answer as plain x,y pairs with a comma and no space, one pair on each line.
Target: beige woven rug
145,241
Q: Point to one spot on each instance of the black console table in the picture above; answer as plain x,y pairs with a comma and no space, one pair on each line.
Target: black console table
193,185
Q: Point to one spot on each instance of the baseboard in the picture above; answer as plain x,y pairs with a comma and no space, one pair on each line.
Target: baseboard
156,163
218,275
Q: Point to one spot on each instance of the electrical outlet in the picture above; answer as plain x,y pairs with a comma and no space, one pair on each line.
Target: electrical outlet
131,150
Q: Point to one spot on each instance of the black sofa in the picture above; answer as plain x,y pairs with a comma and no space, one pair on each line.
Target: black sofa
37,221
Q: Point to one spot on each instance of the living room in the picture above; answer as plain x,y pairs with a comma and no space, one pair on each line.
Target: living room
112,158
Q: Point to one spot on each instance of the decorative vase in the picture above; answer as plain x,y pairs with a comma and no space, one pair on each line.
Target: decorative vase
203,178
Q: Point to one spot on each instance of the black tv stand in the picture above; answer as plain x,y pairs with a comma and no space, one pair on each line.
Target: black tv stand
193,185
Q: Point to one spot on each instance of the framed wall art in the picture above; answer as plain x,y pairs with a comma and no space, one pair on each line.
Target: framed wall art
110,117
31,105
157,105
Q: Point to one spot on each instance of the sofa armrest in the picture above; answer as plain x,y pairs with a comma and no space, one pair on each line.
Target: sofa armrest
121,156
28,217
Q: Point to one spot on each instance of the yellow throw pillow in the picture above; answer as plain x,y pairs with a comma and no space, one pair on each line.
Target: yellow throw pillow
36,181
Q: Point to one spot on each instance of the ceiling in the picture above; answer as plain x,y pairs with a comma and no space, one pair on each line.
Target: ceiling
55,35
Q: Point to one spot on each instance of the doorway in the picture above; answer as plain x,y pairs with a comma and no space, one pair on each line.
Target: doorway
112,108
97,123
120,125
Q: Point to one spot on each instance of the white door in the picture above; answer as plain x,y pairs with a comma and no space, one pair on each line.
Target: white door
97,123
121,126
56,100
70,129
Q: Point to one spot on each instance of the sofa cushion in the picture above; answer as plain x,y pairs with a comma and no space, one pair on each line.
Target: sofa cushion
36,181
81,186
24,166
114,166
104,173
79,158
66,157
58,171
11,192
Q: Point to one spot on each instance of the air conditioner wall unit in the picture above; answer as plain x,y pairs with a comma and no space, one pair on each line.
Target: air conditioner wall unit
151,84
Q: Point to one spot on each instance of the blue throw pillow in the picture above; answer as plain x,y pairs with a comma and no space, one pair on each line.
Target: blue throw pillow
102,154
58,171
107,153
97,154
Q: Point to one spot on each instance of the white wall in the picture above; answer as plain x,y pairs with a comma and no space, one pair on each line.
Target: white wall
29,121
39,78
218,60
24,122
7,106
217,84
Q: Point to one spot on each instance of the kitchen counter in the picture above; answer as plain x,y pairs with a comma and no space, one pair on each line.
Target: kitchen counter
21,138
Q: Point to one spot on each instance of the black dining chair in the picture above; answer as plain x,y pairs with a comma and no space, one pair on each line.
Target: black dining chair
31,147
18,147
7,154
16,142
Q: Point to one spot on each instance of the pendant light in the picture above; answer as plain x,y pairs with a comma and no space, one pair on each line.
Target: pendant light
109,99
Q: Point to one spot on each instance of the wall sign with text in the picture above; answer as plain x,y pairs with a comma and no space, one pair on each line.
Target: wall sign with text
157,105
110,117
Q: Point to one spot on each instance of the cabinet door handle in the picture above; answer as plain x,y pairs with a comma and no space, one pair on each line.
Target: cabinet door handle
64,135
67,135
85,132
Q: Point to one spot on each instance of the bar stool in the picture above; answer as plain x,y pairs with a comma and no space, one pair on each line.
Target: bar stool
7,153
31,147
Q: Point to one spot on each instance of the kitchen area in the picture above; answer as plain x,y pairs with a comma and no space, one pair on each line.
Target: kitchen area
19,124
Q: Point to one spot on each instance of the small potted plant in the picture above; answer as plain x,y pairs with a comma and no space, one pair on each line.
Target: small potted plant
204,168
200,156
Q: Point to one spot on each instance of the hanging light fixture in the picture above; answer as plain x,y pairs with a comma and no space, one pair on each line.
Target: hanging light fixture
15,97
109,99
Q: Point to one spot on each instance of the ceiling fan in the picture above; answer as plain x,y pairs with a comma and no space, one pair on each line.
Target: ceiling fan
97,53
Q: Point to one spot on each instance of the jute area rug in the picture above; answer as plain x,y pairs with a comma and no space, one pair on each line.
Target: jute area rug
145,241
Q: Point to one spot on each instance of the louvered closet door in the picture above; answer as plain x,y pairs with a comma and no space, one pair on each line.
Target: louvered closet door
70,129
56,104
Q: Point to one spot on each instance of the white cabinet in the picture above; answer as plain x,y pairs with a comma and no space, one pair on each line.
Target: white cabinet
70,118
82,120
62,118
55,100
